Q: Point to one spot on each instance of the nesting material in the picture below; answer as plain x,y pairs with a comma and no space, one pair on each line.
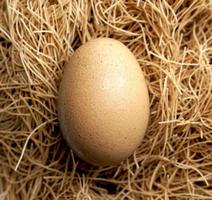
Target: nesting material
172,41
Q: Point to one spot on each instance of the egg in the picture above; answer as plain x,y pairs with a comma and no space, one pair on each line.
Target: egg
103,104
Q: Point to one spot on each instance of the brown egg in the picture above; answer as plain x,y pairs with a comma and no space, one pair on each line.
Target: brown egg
103,102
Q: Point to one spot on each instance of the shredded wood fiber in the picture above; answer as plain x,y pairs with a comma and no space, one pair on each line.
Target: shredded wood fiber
172,41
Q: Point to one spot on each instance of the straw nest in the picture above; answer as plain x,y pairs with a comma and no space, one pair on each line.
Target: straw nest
172,41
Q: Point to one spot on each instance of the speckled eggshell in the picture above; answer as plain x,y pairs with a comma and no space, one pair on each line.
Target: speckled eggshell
103,104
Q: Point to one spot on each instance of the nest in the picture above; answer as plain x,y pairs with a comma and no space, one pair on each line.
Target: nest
172,41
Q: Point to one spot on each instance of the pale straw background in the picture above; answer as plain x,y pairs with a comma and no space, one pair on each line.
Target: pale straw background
172,41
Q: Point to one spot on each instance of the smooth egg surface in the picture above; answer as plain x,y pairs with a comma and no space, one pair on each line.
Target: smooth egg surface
103,104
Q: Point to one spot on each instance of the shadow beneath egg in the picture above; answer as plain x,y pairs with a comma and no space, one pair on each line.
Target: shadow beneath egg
97,177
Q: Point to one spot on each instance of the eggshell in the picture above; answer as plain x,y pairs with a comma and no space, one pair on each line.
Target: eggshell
103,102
